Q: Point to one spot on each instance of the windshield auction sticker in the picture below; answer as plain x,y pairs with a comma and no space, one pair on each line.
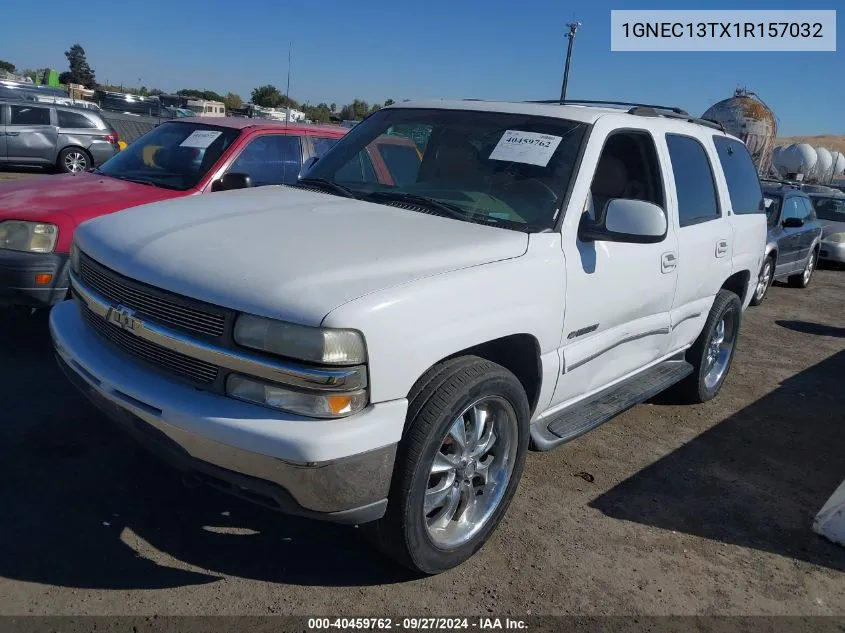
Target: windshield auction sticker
200,139
529,148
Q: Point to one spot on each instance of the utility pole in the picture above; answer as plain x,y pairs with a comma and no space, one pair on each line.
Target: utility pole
573,27
287,90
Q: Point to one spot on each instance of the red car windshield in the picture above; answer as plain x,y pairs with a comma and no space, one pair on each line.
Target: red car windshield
172,155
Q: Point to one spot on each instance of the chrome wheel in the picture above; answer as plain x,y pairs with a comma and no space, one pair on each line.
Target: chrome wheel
470,471
75,162
764,280
719,349
808,271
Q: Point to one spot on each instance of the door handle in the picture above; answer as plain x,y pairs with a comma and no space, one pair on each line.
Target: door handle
668,262
721,248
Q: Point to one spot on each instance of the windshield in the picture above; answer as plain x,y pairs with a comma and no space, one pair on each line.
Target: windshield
510,170
832,209
773,205
172,155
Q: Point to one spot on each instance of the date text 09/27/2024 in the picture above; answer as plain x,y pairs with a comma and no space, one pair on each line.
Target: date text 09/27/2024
416,624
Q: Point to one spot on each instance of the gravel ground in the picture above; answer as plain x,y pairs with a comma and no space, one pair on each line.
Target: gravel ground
665,510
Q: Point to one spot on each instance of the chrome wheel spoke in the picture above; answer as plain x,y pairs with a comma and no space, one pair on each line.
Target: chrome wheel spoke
447,513
443,463
482,471
458,433
435,496
485,444
478,419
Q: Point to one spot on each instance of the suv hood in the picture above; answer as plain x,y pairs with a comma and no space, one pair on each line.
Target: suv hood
287,253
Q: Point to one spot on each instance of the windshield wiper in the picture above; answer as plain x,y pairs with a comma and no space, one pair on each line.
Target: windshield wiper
346,192
444,208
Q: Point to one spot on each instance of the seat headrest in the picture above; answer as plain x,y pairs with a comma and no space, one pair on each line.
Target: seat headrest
611,178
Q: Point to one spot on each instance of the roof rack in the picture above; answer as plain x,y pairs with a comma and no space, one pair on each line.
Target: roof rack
643,109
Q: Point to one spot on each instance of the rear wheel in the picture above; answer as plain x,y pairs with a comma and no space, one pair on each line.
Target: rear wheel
73,160
803,279
764,282
712,353
458,465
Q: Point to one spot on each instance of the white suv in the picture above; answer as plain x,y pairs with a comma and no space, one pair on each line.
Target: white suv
383,342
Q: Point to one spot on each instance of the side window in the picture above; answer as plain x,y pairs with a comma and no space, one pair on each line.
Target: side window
272,159
74,120
740,175
694,182
793,208
773,205
28,115
628,168
322,145
808,207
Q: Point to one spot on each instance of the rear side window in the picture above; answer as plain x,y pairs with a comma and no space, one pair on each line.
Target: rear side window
694,182
272,159
28,115
832,209
403,162
740,175
322,145
75,120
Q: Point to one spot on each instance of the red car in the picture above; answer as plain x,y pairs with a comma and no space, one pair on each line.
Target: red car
182,157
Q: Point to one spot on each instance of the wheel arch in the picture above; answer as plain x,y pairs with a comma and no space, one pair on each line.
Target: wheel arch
738,283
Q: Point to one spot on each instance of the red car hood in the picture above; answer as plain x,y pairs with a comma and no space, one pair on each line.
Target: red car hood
69,199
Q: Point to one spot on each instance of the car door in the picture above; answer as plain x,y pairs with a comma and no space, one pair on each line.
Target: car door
705,235
4,113
809,231
270,159
618,295
31,134
789,244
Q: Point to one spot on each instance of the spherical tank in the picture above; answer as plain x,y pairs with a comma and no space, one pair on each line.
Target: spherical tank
745,116
839,165
823,164
803,158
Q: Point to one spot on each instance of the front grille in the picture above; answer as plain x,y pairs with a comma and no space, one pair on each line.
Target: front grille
156,305
161,357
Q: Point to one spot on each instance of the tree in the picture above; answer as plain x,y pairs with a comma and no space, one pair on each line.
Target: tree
319,113
389,102
80,71
267,96
208,95
376,107
232,101
355,111
334,107
7,66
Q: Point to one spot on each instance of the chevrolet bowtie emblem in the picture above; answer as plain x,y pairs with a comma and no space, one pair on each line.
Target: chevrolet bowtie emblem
124,317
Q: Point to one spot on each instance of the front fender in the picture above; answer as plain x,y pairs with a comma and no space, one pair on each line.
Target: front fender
410,328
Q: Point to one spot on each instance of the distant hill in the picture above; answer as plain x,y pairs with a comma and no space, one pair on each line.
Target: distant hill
830,141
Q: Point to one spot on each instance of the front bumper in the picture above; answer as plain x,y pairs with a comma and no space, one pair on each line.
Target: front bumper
17,278
832,252
336,470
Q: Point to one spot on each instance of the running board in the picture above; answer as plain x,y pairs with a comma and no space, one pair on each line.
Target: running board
588,414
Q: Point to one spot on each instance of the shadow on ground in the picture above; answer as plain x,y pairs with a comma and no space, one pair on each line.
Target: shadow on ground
83,506
757,478
818,329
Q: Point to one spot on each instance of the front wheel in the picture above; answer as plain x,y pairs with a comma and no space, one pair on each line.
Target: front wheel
803,279
712,353
764,282
458,465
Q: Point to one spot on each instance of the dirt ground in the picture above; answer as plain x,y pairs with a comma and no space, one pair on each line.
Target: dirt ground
665,510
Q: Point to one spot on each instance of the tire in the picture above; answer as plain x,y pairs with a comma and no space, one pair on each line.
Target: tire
407,533
803,279
764,281
707,379
74,160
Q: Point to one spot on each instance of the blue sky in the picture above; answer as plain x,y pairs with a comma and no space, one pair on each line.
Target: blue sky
418,49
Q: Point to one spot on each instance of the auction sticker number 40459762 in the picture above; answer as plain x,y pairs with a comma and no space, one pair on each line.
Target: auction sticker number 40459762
530,148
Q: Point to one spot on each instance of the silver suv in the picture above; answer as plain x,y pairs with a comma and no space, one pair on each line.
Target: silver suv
69,138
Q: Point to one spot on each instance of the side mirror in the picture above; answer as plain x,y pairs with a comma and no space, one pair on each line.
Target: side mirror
232,181
793,223
623,220
308,164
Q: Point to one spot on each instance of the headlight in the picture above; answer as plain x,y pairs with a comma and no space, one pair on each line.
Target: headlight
310,344
312,405
74,257
31,237
836,238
